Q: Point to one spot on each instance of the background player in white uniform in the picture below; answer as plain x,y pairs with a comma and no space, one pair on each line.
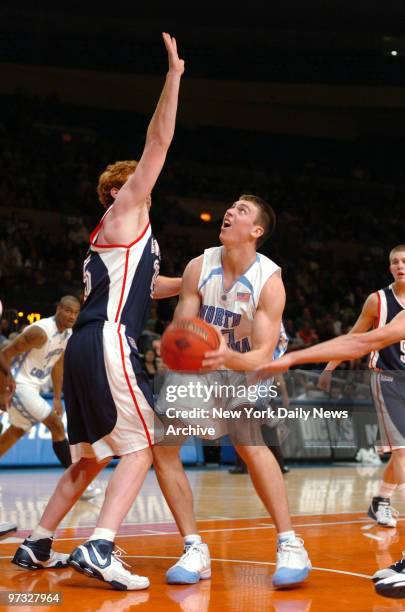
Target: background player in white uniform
390,582
7,386
108,403
35,355
241,293
379,309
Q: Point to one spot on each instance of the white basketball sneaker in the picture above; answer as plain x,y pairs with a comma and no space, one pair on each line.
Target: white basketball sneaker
293,564
194,565
98,559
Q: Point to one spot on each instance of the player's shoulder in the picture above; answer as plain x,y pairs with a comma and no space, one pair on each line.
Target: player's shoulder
46,323
266,262
373,299
213,255
193,268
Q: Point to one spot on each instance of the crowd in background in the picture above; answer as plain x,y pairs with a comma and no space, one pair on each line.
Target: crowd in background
338,211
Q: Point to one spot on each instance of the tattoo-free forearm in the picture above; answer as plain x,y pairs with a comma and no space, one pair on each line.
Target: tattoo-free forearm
162,124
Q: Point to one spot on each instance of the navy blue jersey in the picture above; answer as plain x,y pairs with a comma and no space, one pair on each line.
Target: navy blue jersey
119,282
391,357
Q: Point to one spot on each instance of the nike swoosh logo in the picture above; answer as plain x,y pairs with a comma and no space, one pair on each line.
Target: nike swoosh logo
102,561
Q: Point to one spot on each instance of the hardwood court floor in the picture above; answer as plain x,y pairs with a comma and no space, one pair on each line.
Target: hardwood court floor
328,506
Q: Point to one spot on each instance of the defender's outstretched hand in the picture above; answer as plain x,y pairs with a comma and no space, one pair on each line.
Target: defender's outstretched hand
175,63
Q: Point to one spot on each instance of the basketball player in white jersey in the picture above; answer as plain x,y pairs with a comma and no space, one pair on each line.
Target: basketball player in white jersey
7,386
241,293
379,309
109,403
35,355
390,582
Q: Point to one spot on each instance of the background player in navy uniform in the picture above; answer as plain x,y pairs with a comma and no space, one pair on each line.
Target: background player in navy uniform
389,394
390,582
241,293
108,399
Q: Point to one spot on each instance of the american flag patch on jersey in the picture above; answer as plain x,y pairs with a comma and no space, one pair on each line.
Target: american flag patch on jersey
242,296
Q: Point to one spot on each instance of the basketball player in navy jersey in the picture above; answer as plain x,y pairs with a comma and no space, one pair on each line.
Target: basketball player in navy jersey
390,582
241,293
379,309
108,399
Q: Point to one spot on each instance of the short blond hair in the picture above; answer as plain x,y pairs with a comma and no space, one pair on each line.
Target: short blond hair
115,175
399,247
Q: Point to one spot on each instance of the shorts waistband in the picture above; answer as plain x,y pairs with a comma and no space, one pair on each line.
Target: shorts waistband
108,325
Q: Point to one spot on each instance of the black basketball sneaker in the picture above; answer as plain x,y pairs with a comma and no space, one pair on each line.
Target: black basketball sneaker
38,554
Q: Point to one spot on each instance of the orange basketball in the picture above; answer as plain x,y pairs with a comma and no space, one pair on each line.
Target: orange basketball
185,342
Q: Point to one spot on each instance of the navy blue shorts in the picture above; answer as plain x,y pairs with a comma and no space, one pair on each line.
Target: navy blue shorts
388,391
107,396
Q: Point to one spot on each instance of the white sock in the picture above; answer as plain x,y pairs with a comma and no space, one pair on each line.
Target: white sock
283,536
40,533
103,534
192,538
386,489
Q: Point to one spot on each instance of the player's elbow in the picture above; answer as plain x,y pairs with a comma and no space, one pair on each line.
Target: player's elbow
358,345
159,141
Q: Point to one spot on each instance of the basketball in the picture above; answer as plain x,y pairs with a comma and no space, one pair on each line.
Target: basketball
185,342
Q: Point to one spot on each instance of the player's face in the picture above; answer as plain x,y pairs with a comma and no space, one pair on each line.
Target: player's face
67,313
397,266
239,223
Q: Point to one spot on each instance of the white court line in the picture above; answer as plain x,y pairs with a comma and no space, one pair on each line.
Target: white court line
214,518
243,561
269,526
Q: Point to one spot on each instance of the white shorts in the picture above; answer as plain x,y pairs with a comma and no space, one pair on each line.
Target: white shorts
27,407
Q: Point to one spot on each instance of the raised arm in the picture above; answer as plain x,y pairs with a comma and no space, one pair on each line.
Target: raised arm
265,332
158,138
350,346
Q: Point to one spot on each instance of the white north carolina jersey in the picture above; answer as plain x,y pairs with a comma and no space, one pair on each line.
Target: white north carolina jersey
233,311
34,367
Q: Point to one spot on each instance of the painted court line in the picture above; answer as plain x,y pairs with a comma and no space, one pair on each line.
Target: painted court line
249,562
153,533
243,561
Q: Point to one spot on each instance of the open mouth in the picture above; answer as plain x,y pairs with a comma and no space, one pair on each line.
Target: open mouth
226,223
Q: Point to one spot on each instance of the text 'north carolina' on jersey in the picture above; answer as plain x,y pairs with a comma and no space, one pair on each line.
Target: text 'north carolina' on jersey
119,282
232,311
35,366
391,357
